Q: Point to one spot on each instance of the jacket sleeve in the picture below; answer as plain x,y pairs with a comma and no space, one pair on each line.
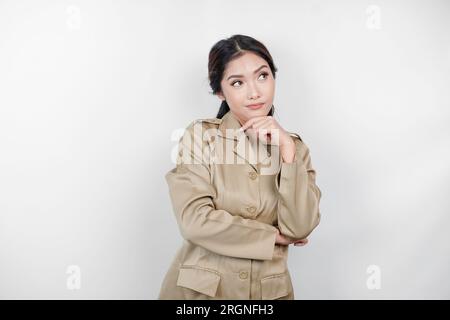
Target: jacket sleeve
299,196
191,192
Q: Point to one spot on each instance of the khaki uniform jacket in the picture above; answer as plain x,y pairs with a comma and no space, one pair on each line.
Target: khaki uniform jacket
228,213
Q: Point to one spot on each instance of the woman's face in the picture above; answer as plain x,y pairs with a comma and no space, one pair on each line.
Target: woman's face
248,80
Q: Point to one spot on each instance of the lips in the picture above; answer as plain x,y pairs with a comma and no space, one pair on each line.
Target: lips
255,106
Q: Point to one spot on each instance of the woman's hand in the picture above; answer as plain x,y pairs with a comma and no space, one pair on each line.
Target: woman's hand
301,243
285,241
280,239
268,130
264,127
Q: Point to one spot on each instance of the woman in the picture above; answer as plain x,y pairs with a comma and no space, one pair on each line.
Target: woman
243,188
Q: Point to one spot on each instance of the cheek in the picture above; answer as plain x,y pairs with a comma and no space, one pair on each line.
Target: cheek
269,87
229,92
236,97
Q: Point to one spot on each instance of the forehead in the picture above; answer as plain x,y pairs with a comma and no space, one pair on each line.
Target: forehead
245,64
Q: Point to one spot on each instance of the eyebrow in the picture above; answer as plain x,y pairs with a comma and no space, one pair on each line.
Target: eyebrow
241,76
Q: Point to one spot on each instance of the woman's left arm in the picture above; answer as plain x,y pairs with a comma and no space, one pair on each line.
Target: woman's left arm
299,196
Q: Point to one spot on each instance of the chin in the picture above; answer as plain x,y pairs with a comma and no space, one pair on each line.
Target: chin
258,113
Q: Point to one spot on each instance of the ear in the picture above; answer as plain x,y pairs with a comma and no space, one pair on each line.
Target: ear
221,96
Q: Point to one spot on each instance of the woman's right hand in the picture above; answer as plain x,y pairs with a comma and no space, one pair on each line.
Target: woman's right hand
282,240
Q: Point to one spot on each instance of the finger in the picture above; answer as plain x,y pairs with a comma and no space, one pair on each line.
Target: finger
268,122
264,129
285,240
301,242
260,122
250,122
263,124
247,124
268,125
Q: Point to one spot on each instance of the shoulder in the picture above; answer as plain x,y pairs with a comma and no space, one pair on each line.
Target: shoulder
299,143
208,122
295,136
205,123
203,129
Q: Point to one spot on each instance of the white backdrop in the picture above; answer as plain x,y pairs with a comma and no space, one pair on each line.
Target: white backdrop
92,91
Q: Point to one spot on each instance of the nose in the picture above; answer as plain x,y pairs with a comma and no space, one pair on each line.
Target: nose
253,91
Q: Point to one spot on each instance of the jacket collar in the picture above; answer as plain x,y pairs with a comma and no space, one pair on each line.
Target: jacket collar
230,122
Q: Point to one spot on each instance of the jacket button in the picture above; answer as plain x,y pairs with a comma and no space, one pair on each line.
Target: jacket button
253,175
251,209
243,274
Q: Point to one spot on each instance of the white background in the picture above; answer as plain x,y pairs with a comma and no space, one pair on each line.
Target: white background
92,91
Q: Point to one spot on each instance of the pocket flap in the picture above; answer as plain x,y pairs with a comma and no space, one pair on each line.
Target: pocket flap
199,279
275,286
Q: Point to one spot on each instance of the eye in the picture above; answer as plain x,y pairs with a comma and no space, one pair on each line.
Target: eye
265,74
234,83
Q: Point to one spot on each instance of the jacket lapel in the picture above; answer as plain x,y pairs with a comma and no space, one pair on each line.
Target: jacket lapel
246,150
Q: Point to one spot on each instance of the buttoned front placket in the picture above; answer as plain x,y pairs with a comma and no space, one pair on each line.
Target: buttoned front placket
246,273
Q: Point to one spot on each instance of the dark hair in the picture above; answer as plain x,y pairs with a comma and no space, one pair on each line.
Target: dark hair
228,49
